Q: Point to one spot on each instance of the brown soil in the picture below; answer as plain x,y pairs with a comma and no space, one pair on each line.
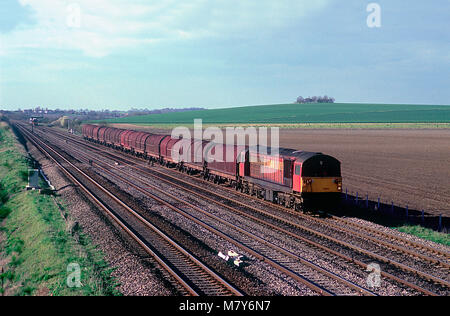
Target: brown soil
409,167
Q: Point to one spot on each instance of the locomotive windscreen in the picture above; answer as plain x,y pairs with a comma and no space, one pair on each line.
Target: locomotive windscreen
321,166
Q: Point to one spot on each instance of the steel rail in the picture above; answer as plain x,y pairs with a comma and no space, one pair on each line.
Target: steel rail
444,254
265,259
161,261
403,267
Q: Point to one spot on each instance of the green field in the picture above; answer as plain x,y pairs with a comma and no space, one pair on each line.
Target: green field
36,244
338,113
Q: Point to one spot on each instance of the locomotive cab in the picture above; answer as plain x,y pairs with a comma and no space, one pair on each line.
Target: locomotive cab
317,177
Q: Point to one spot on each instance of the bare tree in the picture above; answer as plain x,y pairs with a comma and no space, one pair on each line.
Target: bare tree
315,99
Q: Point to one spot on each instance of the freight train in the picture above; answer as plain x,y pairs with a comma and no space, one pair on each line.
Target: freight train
293,178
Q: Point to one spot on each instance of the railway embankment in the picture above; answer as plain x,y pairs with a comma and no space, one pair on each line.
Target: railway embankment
42,251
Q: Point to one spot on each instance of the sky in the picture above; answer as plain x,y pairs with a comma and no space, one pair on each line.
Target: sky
122,54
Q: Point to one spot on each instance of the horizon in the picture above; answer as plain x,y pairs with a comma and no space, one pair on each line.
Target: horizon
200,108
120,55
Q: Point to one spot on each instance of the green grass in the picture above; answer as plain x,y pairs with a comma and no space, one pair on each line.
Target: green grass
4,212
303,114
425,233
37,245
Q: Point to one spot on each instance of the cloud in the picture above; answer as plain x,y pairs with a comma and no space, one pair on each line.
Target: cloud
107,26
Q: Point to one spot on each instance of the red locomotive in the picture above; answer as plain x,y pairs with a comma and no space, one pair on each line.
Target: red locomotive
291,178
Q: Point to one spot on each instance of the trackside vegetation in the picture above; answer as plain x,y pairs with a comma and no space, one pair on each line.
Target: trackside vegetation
38,241
426,233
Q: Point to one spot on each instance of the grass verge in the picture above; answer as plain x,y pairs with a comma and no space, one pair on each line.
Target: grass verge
39,248
426,233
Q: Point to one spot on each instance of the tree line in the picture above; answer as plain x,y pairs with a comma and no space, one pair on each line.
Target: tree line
315,99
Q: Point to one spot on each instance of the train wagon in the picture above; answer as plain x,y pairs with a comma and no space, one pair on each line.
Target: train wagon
152,146
88,130
109,136
198,155
101,134
182,151
222,161
105,133
84,131
166,155
124,140
137,142
142,143
95,133
188,154
116,137
128,141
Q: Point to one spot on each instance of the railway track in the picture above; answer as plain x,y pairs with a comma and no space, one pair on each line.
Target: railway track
307,272
442,262
344,225
443,259
190,274
299,269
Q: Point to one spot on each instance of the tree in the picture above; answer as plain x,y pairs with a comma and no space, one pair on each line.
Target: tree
315,99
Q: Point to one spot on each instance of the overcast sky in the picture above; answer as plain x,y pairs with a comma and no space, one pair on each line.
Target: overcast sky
119,54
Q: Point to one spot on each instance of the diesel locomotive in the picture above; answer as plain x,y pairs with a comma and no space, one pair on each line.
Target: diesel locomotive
293,178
